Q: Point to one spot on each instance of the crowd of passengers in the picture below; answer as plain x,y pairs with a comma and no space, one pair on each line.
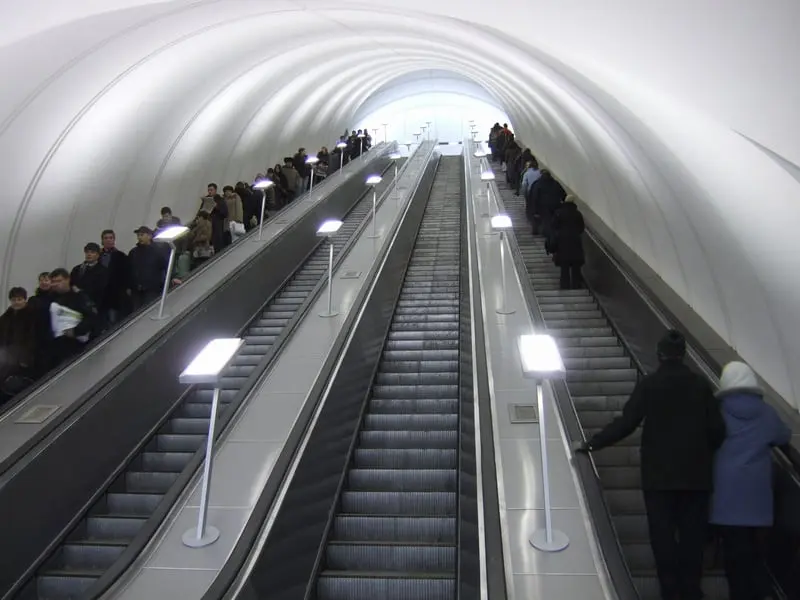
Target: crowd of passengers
70,308
706,464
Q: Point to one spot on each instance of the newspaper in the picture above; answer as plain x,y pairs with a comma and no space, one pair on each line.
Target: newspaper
63,319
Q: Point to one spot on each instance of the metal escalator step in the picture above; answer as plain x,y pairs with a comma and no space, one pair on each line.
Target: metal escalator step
602,374
408,458
58,586
425,378
428,530
225,395
409,439
402,480
413,405
600,403
447,319
581,332
563,314
596,419
412,422
134,505
414,391
251,349
183,425
581,324
423,335
178,442
617,456
593,341
405,345
603,351
416,558
167,462
429,365
600,388
110,528
449,356
422,309
239,371
349,586
149,482
88,556
430,504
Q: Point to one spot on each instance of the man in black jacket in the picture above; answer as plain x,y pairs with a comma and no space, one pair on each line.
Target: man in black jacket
119,278
148,268
69,306
682,427
91,277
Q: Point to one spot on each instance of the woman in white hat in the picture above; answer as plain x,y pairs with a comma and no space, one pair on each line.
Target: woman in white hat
742,501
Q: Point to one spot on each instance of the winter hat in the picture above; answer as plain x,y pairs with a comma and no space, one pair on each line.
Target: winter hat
737,376
672,346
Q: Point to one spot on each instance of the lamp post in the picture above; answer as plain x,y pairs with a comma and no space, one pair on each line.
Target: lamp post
374,180
263,185
395,157
385,133
328,229
424,128
416,138
374,133
408,147
488,177
541,360
480,155
168,236
360,143
312,162
428,124
341,146
206,369
501,223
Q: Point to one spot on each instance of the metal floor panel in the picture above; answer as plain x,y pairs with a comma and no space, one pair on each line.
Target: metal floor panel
394,536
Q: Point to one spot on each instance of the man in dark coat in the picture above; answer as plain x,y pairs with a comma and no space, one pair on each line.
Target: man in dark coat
91,277
69,303
148,268
568,228
544,198
17,344
682,427
118,303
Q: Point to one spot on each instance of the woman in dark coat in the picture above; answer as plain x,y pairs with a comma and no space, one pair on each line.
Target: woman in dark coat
569,228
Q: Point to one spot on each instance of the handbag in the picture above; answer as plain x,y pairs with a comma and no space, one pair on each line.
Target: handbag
203,252
237,229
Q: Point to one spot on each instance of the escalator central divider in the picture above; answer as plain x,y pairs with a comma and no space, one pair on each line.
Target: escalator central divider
273,326
285,555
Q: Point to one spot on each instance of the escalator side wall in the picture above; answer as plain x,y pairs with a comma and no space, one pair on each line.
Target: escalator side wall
288,561
640,327
39,500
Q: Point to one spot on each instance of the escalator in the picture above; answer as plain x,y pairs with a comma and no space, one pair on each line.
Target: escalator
600,377
394,533
115,520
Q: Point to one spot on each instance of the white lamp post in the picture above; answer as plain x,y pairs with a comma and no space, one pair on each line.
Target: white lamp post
361,143
428,124
206,369
374,180
385,133
416,138
488,177
328,229
501,223
541,360
341,146
263,185
312,162
374,134
168,235
395,157
408,147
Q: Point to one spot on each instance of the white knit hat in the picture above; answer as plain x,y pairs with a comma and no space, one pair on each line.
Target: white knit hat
738,376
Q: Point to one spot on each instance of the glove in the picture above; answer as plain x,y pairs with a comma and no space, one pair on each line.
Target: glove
582,447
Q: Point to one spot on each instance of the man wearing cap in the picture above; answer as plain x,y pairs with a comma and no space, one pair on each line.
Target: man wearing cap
682,427
91,277
148,264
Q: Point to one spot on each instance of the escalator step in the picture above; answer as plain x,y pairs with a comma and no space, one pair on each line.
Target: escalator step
430,530
412,422
414,558
413,405
349,587
402,480
409,439
366,458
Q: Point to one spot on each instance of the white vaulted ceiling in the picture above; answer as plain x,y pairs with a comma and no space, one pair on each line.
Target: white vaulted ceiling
676,121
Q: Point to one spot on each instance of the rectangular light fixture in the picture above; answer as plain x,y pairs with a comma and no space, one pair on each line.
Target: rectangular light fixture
341,145
312,160
501,222
263,184
480,154
395,156
329,227
540,357
374,179
207,366
487,176
171,233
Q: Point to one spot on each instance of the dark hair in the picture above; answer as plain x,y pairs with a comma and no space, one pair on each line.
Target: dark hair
59,272
166,209
672,346
17,292
214,185
227,187
44,274
107,232
92,247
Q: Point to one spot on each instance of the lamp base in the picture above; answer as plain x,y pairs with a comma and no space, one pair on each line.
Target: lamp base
557,544
191,540
157,317
328,315
505,311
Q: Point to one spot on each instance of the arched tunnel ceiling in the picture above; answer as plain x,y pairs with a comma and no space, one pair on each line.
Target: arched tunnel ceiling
657,113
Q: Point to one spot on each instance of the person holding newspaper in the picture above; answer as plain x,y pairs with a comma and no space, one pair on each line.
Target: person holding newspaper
73,317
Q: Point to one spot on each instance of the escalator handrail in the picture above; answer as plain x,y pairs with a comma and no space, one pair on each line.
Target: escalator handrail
63,415
611,549
237,568
226,417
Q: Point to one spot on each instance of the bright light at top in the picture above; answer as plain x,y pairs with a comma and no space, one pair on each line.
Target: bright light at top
361,135
341,145
487,176
171,233
501,222
395,156
329,227
209,364
540,357
374,179
263,184
479,154
312,160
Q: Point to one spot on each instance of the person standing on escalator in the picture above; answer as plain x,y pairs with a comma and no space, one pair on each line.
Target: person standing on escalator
682,427
742,503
